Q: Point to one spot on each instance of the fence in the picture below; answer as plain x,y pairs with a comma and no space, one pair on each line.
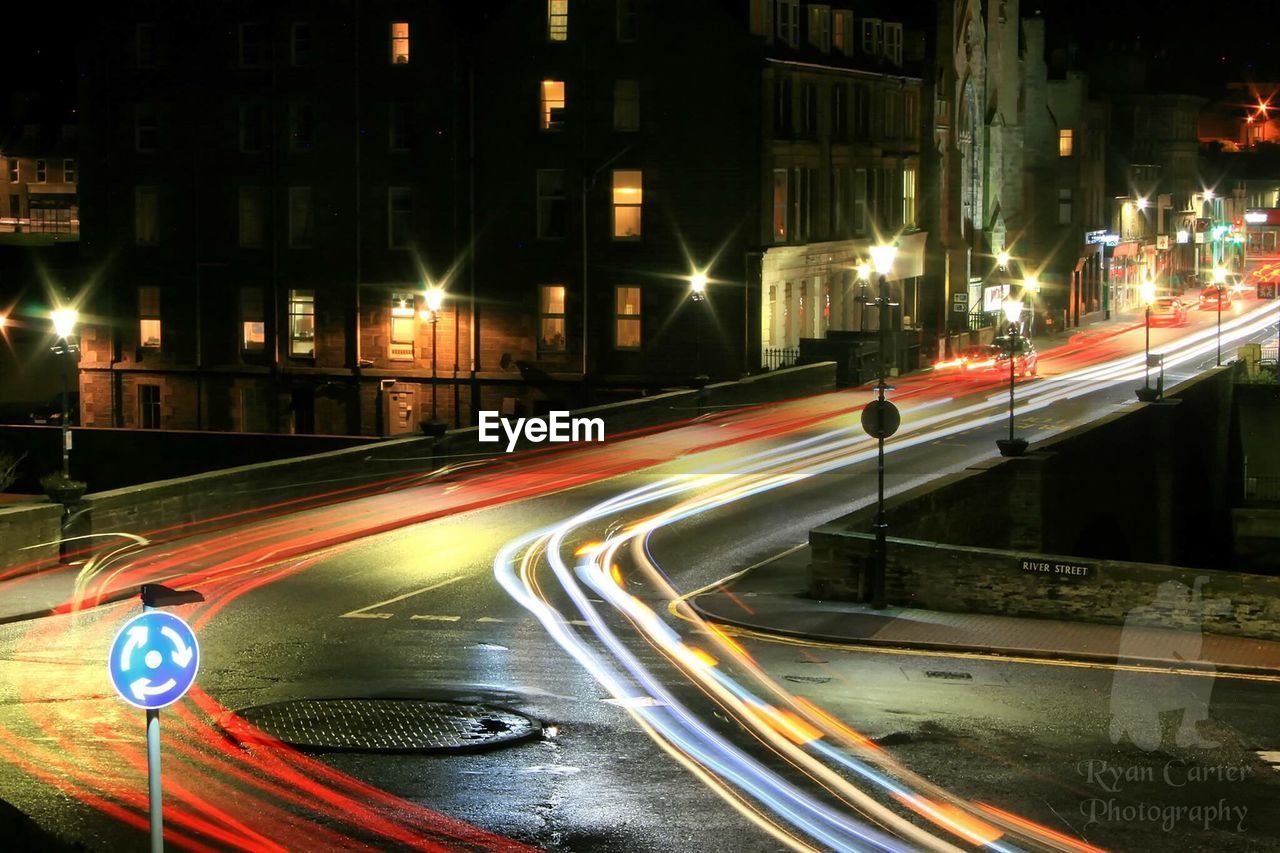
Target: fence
773,358
1265,489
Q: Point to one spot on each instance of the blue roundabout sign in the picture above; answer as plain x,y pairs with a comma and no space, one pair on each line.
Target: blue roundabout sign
153,660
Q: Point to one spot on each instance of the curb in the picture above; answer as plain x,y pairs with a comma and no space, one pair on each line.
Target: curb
1178,666
111,598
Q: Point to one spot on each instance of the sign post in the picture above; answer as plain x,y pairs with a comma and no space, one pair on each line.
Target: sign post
153,662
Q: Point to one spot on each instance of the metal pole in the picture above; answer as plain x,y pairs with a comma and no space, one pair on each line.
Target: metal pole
434,319
154,793
1147,379
1219,325
66,413
878,577
1013,354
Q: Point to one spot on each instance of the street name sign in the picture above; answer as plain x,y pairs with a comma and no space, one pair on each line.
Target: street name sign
153,660
1050,567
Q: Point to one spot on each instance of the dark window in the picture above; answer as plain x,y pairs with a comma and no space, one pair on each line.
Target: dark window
149,406
400,127
302,127
252,124
302,218
399,217
552,204
253,45
42,171
840,111
860,110
145,44
146,127
628,20
782,107
252,222
300,52
809,109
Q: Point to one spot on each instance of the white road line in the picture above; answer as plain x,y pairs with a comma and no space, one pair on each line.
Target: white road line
436,618
363,613
489,619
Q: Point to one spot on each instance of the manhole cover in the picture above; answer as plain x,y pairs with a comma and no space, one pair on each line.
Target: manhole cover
386,725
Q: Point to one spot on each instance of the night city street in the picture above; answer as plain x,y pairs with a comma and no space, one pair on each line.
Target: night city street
621,426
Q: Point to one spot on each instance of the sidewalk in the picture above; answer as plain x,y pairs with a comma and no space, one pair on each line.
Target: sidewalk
771,599
47,592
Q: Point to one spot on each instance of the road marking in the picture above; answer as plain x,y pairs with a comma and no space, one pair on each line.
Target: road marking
436,618
675,603
489,619
363,613
581,623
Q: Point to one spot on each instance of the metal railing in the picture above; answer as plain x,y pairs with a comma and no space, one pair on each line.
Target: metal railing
773,358
1262,488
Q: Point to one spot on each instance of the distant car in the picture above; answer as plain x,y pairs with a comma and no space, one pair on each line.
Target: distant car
1026,358
969,359
1168,310
50,414
1212,298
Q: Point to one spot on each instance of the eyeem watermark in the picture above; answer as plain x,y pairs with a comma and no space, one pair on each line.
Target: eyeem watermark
557,427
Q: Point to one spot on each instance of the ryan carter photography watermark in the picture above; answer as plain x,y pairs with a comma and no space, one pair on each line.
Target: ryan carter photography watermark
556,428
1197,785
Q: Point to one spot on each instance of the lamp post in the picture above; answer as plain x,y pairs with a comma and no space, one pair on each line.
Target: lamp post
886,416
64,325
434,301
863,271
698,292
1031,285
1219,276
1146,393
1013,313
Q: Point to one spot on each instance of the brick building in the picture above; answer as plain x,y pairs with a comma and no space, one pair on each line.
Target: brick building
38,167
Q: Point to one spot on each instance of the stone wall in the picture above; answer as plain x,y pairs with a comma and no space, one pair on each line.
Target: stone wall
26,524
934,576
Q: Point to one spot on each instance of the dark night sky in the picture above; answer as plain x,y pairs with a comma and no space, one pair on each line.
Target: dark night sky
1204,48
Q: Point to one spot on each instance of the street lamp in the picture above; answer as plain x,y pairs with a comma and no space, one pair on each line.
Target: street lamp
1219,277
1147,291
64,326
1031,285
882,258
434,301
1013,313
1002,259
698,292
863,272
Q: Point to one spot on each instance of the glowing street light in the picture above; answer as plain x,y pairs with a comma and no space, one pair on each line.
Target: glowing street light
882,259
64,326
1013,313
1002,259
1142,203
434,301
698,284
1147,291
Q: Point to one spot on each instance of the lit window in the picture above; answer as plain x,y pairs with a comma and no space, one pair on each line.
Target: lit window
145,45
302,218
404,328
779,205
893,43
557,20
300,44
400,127
842,31
251,128
149,406
69,171
399,217
1065,142
627,198
787,20
820,28
251,219
400,43
302,127
551,330
909,197
626,105
628,20
146,130
253,328
626,317
146,216
552,104
552,204
42,171
302,323
149,317
253,42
